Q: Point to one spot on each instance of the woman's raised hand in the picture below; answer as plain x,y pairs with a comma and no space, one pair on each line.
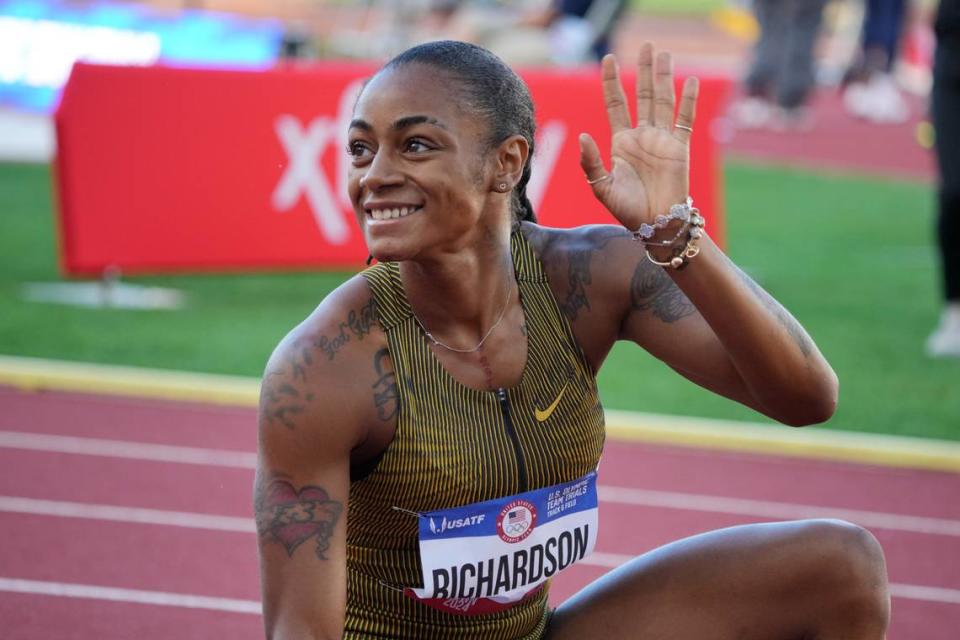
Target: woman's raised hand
649,168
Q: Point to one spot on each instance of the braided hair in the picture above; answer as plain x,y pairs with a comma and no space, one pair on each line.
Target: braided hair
489,89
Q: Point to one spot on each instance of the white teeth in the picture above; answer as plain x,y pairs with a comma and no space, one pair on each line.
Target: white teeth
390,214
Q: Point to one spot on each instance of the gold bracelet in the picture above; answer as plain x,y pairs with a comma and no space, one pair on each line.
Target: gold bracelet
689,250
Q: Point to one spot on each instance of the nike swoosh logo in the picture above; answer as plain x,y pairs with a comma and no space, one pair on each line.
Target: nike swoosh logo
543,415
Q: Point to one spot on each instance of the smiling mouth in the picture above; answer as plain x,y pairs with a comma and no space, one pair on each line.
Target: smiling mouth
390,214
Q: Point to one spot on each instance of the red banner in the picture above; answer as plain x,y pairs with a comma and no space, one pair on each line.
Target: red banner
163,169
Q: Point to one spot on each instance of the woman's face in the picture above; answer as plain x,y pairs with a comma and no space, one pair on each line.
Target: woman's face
418,179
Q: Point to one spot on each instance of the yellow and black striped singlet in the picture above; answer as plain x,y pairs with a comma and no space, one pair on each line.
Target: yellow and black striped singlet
455,446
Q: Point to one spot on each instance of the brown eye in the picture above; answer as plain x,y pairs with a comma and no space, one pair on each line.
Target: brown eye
358,149
417,145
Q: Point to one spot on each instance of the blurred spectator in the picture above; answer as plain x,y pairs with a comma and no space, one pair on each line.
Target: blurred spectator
781,75
564,32
871,92
296,44
945,341
579,29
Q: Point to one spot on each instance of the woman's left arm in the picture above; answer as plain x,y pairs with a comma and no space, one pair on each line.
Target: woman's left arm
709,320
717,327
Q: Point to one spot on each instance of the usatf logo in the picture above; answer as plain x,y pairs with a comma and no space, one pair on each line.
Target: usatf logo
516,521
446,525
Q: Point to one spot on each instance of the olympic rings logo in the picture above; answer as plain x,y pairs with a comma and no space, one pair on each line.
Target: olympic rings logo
516,529
516,521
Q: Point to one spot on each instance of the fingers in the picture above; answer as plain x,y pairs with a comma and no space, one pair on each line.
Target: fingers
688,109
645,85
591,162
613,96
656,96
664,98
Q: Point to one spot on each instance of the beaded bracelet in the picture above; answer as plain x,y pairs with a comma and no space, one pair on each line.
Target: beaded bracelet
693,227
681,212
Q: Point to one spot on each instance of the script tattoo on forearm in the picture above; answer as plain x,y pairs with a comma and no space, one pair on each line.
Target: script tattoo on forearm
357,325
385,395
793,328
653,290
289,516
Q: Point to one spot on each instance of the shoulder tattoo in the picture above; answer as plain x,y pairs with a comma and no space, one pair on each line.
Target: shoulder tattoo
281,403
579,276
356,325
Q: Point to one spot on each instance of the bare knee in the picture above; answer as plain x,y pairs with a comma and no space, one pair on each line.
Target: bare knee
850,572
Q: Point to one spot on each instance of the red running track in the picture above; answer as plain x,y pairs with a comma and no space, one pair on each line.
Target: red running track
139,511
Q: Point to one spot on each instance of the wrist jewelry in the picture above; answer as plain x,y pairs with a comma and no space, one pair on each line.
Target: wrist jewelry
681,212
693,224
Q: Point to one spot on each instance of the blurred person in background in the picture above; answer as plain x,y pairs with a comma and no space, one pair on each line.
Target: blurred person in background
561,32
781,76
945,341
871,91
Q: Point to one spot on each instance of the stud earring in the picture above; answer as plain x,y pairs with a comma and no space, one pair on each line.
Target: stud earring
502,186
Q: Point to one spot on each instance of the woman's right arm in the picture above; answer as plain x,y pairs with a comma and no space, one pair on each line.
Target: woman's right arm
311,417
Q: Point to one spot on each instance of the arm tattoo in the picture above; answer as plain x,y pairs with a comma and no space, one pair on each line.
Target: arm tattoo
283,402
578,270
357,324
653,290
385,394
290,517
579,277
797,334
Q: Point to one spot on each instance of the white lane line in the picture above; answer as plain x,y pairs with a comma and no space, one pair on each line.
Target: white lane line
167,599
612,494
897,590
927,594
777,510
112,513
126,449
161,598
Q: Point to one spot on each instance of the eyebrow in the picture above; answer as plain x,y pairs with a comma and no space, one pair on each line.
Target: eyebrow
400,124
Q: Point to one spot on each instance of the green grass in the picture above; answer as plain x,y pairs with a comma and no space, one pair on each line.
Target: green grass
851,257
678,7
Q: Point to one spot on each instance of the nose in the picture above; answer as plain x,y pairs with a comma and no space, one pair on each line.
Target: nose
380,173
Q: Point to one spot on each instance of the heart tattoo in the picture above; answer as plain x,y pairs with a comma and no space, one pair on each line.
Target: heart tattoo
291,517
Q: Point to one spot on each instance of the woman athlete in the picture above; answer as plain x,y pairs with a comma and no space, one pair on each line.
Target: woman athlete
429,435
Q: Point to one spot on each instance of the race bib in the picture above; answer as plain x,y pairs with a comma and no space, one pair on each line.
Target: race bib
484,557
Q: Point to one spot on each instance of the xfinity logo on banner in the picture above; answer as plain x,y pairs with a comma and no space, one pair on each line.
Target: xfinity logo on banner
305,145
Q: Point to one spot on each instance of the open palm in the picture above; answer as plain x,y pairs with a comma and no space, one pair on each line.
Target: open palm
649,169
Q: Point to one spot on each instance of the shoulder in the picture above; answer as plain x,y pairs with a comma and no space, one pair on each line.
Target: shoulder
591,270
334,330
553,244
587,263
311,381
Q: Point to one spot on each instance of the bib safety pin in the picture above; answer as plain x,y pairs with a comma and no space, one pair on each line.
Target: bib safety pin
412,513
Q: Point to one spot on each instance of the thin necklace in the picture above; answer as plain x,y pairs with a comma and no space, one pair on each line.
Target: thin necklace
429,335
